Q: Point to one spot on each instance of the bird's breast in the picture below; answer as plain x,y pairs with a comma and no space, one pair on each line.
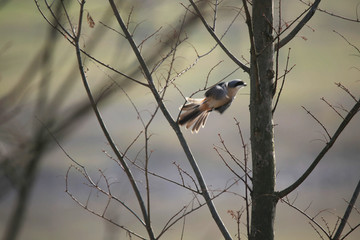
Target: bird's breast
212,103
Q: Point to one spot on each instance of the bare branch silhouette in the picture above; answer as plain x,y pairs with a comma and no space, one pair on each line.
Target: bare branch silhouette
332,107
312,221
346,216
286,71
310,13
173,124
104,128
332,140
101,215
337,15
218,41
318,121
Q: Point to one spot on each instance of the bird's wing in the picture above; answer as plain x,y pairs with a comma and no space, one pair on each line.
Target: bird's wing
222,108
217,92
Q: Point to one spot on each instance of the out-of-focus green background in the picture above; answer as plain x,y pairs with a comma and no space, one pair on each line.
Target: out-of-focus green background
321,57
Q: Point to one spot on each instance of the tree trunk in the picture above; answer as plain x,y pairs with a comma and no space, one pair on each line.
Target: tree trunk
262,137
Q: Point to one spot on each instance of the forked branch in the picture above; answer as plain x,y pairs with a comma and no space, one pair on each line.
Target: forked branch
334,233
190,157
299,26
217,40
320,156
103,126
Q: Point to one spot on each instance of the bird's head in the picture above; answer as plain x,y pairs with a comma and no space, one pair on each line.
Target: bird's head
237,83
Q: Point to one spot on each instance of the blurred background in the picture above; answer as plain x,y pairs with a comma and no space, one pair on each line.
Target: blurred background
41,92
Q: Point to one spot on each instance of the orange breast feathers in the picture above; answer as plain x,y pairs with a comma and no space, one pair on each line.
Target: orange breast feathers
211,103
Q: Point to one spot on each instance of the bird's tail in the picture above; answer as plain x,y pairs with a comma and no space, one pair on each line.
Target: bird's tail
193,113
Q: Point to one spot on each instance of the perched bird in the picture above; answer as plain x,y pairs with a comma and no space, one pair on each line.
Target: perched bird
218,97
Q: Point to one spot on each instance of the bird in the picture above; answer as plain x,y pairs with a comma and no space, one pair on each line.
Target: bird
219,97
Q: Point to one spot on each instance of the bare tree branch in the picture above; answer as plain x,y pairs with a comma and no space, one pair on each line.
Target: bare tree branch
86,207
346,216
318,121
218,41
331,142
332,107
312,220
348,42
342,87
253,50
71,39
247,200
299,26
104,128
282,83
173,124
337,15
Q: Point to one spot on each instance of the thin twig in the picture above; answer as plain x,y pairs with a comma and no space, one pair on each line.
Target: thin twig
180,171
254,54
332,107
277,52
346,90
311,219
216,4
218,41
318,121
352,45
195,208
168,223
282,83
70,38
336,15
96,213
112,29
162,177
208,75
96,186
247,204
148,37
230,168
